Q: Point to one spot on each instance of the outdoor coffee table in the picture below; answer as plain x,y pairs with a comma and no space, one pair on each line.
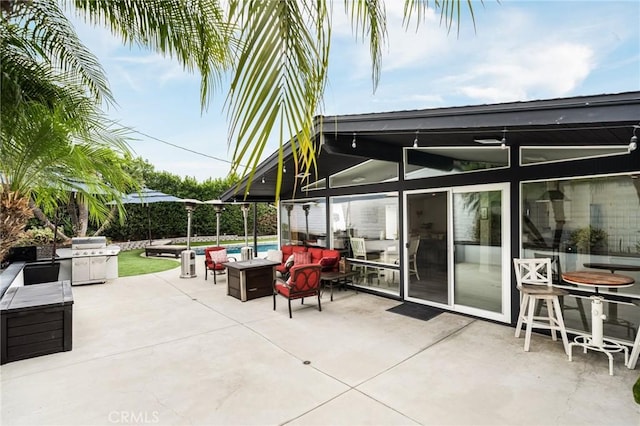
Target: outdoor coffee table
250,279
336,278
596,341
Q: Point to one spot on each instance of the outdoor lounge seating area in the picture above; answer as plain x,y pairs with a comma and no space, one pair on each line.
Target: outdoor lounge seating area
187,353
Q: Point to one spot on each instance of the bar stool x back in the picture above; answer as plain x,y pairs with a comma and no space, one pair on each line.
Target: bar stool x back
535,282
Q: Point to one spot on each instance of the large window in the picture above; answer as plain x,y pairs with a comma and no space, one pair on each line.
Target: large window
438,161
588,223
367,172
552,154
303,222
365,227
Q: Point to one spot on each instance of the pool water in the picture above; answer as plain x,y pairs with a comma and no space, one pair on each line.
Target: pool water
236,249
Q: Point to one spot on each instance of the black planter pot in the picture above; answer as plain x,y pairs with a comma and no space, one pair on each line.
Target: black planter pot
37,273
23,254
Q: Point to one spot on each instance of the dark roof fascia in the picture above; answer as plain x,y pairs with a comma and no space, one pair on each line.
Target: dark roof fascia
547,104
607,108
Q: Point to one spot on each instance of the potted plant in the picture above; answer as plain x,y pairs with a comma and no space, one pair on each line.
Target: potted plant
589,239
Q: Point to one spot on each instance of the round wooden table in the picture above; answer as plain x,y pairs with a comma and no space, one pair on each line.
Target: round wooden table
598,279
596,341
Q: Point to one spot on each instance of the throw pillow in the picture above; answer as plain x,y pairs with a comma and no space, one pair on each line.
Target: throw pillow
289,262
301,258
327,262
219,256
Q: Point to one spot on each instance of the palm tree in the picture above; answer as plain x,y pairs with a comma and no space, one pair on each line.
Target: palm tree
276,51
44,154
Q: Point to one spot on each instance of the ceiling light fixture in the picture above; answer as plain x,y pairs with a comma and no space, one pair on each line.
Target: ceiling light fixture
263,181
491,141
415,141
353,142
284,169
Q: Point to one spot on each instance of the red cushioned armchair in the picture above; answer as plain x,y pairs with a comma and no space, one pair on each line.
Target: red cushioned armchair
214,258
304,281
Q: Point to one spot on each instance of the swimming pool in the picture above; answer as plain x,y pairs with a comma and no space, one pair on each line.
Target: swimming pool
235,249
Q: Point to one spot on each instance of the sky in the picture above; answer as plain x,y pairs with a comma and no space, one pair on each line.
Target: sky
518,51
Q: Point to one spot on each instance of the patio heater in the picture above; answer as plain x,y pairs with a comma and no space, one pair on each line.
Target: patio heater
289,207
246,252
218,206
188,256
306,208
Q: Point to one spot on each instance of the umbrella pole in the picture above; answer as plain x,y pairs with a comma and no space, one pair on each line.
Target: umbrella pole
245,211
149,220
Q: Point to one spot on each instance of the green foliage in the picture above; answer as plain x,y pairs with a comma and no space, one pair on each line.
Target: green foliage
589,239
35,237
636,391
169,220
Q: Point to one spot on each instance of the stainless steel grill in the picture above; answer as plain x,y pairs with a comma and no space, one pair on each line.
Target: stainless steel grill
93,261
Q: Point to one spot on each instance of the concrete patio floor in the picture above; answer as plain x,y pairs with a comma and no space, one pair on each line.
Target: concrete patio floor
158,349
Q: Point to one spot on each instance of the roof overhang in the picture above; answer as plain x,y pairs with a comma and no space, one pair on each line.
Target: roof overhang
585,120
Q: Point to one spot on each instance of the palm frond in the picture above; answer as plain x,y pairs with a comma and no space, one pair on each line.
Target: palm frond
278,81
369,19
195,32
450,12
48,37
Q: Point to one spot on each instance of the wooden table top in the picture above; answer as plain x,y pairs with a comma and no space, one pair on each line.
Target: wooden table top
251,263
597,279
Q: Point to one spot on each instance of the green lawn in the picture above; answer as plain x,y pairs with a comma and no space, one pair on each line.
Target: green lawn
131,263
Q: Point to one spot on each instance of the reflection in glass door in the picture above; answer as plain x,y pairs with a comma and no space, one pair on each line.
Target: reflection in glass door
479,245
426,247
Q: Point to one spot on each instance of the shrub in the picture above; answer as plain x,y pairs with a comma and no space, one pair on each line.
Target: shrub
589,239
35,237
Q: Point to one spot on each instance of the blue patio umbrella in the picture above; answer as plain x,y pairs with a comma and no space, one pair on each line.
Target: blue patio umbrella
147,196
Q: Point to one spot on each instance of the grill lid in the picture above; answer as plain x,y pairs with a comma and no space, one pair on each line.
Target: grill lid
88,242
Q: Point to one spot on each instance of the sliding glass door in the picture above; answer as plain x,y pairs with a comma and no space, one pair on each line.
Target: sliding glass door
427,259
462,261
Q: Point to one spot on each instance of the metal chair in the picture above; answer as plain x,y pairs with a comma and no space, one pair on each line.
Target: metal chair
214,259
414,243
359,249
534,279
304,281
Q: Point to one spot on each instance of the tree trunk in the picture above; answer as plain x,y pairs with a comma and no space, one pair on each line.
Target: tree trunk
46,222
112,215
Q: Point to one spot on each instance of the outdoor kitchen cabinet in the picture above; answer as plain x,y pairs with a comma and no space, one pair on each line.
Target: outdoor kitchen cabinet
36,320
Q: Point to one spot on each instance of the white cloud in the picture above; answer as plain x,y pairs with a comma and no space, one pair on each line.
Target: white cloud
536,68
